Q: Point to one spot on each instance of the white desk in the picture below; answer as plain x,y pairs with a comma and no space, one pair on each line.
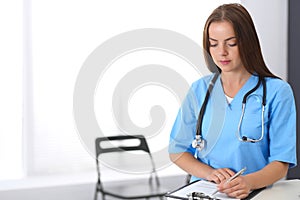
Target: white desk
281,190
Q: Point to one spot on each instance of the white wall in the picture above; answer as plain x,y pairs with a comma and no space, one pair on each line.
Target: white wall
271,19
55,69
63,37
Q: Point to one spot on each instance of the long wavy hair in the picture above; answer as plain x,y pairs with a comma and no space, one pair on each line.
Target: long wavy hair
247,39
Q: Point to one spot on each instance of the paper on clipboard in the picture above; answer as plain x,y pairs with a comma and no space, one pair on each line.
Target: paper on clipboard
198,186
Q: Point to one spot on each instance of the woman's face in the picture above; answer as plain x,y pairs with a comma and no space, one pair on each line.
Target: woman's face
223,47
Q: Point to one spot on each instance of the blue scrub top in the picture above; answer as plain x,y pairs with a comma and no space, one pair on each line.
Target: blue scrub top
220,124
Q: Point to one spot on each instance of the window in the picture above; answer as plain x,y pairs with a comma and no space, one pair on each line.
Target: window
11,89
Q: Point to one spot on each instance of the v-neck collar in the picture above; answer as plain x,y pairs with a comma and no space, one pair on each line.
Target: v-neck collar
237,99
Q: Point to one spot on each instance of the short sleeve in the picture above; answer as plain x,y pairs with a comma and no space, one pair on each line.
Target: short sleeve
183,131
282,126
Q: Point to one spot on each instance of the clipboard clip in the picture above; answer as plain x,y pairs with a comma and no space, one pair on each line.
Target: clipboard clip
199,196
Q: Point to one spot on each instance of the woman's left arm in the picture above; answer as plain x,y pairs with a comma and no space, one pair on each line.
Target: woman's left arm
242,185
271,173
282,144
281,136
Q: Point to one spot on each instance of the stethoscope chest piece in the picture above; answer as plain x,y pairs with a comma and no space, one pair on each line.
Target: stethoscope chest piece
198,143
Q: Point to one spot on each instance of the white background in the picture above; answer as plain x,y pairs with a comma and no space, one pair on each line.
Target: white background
62,38
48,41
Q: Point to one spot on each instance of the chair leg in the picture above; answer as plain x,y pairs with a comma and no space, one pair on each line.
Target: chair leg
96,196
96,193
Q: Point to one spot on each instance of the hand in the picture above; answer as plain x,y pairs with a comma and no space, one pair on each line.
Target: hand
219,175
237,188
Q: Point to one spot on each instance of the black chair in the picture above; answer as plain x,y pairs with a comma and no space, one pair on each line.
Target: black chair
132,189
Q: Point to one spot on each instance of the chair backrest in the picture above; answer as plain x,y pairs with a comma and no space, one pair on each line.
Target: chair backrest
119,145
122,143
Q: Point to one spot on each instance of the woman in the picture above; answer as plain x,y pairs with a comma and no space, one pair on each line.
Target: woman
261,139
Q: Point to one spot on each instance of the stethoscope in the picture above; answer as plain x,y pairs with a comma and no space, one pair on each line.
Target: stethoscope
200,143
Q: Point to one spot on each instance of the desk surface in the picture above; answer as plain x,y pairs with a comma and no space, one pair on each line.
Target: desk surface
289,189
281,190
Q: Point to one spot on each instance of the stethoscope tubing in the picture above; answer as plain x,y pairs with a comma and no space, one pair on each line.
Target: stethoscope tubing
199,142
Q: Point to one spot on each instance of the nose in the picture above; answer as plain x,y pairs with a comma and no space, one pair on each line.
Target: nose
223,50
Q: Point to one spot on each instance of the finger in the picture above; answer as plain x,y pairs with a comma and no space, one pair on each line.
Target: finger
234,185
230,187
221,174
221,177
227,173
240,194
213,178
217,178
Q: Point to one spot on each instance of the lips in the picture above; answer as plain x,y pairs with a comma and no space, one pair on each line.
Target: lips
224,62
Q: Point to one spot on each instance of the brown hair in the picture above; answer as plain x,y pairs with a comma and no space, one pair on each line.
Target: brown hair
247,39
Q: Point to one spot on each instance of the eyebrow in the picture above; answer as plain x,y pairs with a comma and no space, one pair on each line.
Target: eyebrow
224,40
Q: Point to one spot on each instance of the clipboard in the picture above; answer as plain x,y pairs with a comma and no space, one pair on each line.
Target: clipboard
205,187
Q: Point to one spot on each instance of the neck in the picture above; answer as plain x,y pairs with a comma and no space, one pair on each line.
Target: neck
232,83
234,79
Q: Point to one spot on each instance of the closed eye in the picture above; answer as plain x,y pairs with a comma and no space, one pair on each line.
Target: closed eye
232,45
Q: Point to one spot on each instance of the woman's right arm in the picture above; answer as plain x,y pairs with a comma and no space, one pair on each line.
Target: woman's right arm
191,165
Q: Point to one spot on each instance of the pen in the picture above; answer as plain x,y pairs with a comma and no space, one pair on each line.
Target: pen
236,175
231,178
